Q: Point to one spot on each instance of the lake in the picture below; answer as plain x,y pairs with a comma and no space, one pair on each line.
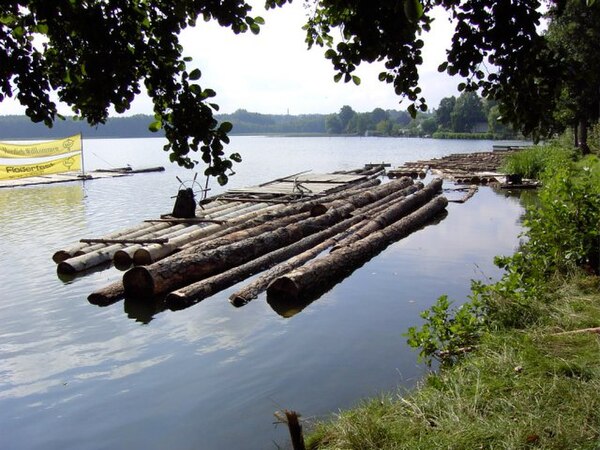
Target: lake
78,376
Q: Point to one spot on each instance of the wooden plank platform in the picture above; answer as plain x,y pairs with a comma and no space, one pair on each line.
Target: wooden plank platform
68,177
302,184
58,178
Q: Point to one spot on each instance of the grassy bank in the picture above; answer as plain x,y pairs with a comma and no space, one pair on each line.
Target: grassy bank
532,388
516,371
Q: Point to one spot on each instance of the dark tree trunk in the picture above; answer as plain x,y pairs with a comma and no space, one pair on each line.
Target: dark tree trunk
583,144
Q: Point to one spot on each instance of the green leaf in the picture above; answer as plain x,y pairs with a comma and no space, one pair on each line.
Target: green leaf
337,77
330,54
413,10
226,127
236,157
412,111
195,74
222,179
356,80
259,20
442,67
155,126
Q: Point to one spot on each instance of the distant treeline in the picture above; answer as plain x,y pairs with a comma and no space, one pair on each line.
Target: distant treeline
21,127
465,117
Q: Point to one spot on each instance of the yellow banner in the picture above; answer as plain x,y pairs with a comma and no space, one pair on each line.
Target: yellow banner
42,149
67,164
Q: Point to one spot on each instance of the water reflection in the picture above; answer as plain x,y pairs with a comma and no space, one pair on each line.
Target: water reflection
143,311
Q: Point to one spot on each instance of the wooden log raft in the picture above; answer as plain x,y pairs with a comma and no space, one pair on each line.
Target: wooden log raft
306,278
275,212
200,290
191,266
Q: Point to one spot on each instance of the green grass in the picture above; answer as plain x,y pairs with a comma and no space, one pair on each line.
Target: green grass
518,390
532,162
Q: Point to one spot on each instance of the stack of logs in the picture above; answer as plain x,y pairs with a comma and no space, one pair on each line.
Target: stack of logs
463,168
288,241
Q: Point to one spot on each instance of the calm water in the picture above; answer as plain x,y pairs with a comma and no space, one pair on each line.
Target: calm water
77,376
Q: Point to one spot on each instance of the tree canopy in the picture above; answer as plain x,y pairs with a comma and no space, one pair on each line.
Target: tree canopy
95,54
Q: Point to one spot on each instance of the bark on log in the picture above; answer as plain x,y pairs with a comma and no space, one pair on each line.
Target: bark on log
394,213
107,295
346,228
306,278
126,241
190,266
286,212
152,253
155,230
106,253
195,292
69,252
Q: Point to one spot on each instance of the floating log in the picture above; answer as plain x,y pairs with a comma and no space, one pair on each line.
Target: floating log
470,193
394,213
153,253
338,233
191,220
107,295
181,269
125,241
69,252
131,170
200,290
305,278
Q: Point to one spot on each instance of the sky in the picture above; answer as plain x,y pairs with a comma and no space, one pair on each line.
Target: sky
274,73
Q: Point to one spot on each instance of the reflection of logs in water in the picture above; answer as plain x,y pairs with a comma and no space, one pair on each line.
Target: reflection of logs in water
307,277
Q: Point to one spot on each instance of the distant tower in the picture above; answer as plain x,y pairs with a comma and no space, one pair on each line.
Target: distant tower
288,111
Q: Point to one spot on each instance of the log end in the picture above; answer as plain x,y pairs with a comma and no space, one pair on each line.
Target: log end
122,259
142,257
65,268
60,256
176,301
283,287
108,295
138,283
238,300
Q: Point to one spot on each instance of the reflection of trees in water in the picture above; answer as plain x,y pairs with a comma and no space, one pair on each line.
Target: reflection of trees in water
66,200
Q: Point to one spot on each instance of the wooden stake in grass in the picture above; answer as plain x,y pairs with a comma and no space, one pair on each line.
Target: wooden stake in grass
292,420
